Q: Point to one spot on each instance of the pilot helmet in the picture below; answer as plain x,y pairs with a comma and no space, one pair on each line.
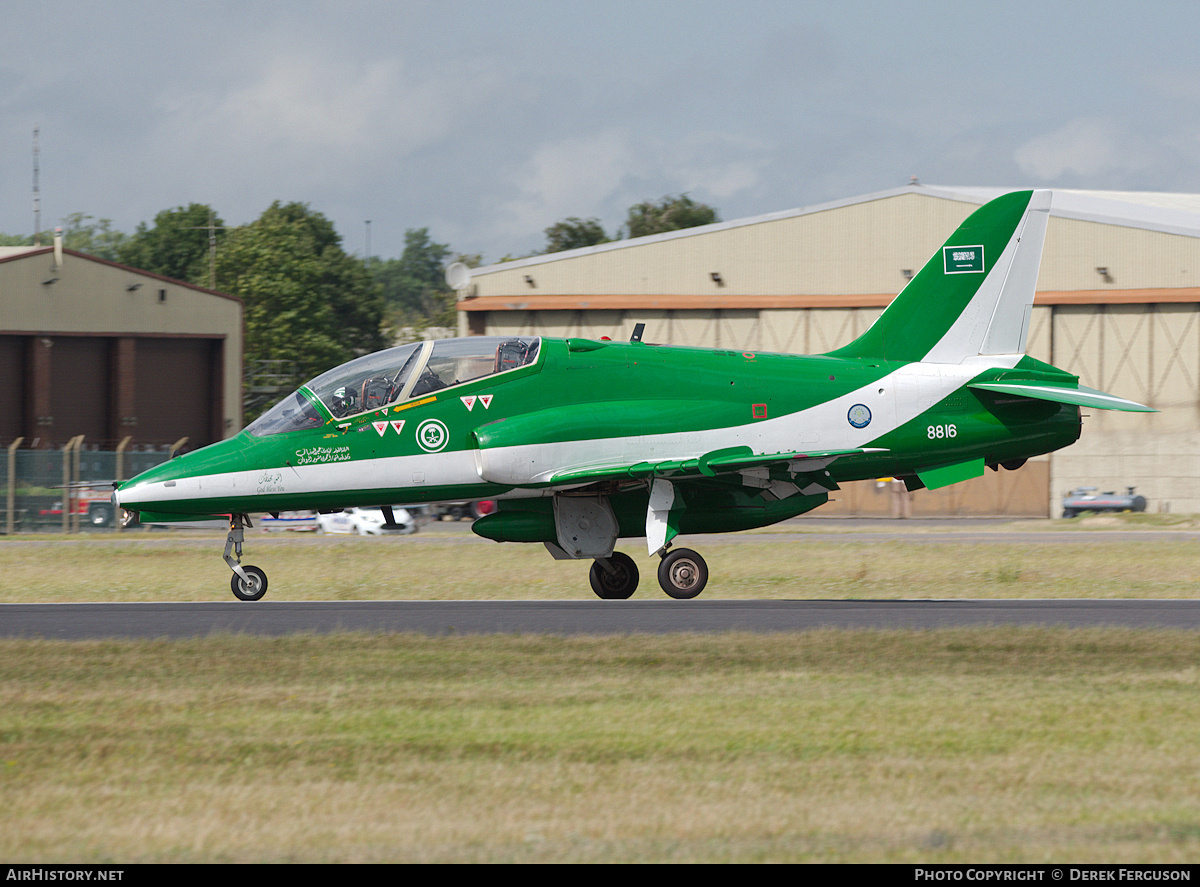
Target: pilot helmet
343,400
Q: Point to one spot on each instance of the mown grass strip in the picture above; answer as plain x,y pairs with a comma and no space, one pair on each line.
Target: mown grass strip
1004,744
169,569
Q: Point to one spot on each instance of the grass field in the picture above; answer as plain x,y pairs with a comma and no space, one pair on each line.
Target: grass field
450,563
996,745
956,745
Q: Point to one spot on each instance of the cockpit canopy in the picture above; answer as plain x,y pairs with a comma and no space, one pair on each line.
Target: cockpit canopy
402,373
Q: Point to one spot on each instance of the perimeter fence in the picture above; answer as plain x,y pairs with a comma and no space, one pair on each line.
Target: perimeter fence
64,490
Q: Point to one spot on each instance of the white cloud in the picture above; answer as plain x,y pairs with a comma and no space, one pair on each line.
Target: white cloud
301,123
570,177
722,164
607,172
1083,147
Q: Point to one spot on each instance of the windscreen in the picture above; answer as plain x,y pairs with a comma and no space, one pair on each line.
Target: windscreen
294,413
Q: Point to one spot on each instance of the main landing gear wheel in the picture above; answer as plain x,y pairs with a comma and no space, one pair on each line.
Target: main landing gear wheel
618,580
251,588
682,573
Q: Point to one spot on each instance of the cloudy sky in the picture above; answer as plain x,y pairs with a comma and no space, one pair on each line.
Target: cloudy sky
489,121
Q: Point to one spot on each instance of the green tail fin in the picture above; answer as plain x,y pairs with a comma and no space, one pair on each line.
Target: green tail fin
974,296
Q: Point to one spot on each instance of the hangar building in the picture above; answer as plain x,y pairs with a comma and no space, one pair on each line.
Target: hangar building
1117,302
95,348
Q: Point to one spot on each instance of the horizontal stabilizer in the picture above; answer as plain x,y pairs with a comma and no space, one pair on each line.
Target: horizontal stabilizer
1079,396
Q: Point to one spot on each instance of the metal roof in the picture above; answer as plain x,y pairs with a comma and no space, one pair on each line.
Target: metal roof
1149,210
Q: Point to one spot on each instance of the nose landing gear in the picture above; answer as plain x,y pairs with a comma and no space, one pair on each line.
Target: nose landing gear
248,583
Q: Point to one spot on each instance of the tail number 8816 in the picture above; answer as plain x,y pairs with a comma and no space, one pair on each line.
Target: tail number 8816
940,432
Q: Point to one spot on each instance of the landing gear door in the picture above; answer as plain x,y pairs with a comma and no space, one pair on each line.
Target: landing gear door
585,525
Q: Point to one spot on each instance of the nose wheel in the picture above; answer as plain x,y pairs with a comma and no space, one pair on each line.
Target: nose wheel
682,573
253,587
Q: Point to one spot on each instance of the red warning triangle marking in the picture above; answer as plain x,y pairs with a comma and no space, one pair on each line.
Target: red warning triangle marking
398,424
486,400
381,427
469,401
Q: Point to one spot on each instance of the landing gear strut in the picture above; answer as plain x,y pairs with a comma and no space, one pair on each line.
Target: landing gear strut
248,583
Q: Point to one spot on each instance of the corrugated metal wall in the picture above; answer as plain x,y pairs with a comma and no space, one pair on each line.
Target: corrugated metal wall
1135,332
1150,353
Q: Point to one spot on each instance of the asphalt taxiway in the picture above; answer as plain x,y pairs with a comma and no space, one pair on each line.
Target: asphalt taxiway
592,616
182,620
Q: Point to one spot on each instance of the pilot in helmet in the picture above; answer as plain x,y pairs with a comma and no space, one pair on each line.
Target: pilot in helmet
343,401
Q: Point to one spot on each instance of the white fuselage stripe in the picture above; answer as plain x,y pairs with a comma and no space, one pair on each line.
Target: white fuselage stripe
893,400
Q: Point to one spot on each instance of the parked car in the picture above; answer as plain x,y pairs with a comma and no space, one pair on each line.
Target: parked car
459,510
297,521
1083,499
366,522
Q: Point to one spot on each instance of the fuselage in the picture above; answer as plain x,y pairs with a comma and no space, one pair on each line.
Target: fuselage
509,430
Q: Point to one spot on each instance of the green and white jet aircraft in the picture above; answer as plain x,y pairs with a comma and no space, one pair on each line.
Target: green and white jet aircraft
582,442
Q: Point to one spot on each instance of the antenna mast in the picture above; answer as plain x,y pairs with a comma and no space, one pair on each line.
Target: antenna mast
37,198
212,248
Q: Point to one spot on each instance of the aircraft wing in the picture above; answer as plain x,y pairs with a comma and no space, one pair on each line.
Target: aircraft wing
718,462
1077,395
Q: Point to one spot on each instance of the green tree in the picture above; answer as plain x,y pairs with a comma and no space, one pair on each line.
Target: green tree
414,285
307,301
86,234
178,244
81,232
573,233
670,213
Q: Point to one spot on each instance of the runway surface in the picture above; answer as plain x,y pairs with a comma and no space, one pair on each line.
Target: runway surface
78,621
182,620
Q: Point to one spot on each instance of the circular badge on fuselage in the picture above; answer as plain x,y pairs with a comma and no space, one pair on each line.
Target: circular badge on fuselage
859,415
432,435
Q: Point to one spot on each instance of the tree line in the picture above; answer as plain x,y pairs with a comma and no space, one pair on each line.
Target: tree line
670,213
308,303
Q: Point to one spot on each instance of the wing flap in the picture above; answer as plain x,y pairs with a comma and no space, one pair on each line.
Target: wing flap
1078,396
712,464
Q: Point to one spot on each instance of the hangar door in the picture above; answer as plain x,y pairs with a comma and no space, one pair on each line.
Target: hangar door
12,392
80,368
178,381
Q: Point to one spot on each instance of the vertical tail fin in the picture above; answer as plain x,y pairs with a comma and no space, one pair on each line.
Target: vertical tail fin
974,296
